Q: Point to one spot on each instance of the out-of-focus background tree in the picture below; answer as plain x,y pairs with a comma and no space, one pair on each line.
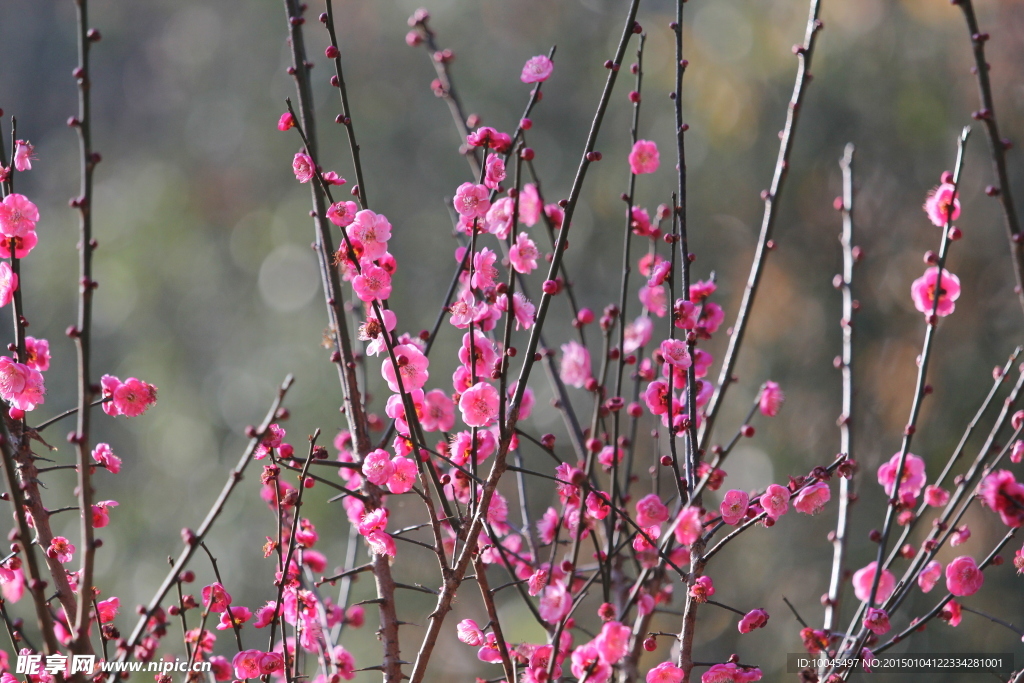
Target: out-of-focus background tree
208,287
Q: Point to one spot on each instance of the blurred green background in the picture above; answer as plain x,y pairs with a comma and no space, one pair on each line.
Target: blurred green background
208,287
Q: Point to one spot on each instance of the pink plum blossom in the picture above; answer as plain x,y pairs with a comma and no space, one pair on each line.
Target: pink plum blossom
923,292
524,254
342,213
734,506
404,475
286,122
775,501
18,215
479,405
936,496
373,231
37,352
412,367
494,171
60,549
771,399
942,205
913,474
472,200
753,619
216,598
438,412
654,299
575,364
239,615
650,511
929,576
100,516
877,621
555,602
1003,494
963,577
702,589
23,150
537,69
303,167
812,499
644,157
8,283
689,526
529,205
588,662
638,334
377,467
104,456
247,664
20,385
372,283
484,272
865,576
951,613
108,609
674,351
613,641
666,672
469,633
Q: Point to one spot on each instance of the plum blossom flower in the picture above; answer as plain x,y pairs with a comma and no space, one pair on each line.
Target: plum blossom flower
753,619
104,456
37,351
650,511
923,292
865,576
100,516
575,364
1002,493
734,506
913,479
239,615
479,405
689,526
524,254
877,621
666,672
472,200
812,499
537,69
373,283
216,598
555,602
654,299
404,475
23,150
613,641
342,213
247,664
644,157
60,549
674,351
775,501
588,662
484,272
18,215
494,171
377,467
286,122
8,283
108,609
936,496
438,412
963,577
929,576
413,368
303,167
470,633
951,613
771,399
702,589
942,205
373,231
20,385
638,334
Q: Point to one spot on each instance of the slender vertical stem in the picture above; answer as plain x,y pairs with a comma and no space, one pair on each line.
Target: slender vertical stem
83,331
997,145
846,419
771,201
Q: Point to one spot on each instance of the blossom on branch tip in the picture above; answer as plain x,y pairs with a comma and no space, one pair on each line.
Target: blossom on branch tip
286,122
537,69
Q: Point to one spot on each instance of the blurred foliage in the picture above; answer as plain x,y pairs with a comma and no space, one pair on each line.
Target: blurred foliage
209,289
